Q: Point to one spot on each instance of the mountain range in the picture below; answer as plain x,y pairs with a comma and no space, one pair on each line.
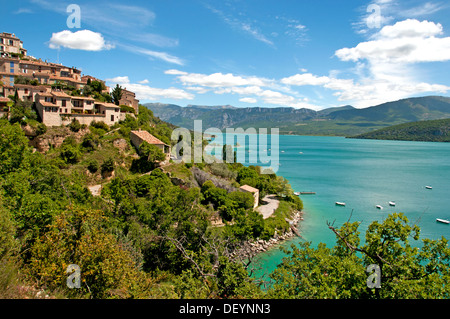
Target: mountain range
343,120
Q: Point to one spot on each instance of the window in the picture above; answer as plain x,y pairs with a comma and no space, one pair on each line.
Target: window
11,42
1,40
11,80
112,118
11,64
26,91
11,70
63,103
1,48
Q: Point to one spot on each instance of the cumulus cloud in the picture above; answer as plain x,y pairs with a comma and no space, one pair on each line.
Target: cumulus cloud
408,41
80,40
217,80
145,92
248,100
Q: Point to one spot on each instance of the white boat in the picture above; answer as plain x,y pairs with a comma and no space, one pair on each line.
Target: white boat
379,207
391,203
428,187
442,221
297,193
340,203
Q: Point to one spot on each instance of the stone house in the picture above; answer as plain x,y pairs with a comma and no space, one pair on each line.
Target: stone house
253,191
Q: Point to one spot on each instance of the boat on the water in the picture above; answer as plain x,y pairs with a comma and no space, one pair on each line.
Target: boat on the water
428,187
379,207
442,221
340,203
391,203
297,193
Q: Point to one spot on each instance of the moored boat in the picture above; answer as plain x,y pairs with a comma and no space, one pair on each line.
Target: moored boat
379,207
391,203
442,221
340,203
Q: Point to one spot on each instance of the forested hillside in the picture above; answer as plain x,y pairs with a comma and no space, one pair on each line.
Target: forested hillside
427,131
156,232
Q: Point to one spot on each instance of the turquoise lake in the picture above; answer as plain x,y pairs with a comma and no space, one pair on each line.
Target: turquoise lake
363,174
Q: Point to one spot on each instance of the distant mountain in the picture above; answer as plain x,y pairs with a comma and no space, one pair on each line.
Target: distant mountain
343,121
429,131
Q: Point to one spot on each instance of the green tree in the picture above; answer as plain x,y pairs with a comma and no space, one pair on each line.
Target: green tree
14,149
116,94
340,272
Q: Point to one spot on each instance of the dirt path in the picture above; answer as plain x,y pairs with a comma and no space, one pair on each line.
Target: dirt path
269,208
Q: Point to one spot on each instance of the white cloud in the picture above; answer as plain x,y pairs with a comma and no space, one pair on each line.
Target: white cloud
145,92
248,100
161,56
145,81
175,72
305,79
217,80
119,80
80,40
237,24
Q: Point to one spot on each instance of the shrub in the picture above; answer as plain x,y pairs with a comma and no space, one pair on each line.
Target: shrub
92,166
41,129
108,165
75,125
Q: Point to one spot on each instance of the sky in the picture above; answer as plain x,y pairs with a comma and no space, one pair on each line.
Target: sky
246,53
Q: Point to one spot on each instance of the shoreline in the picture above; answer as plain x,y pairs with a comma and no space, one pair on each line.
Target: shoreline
253,247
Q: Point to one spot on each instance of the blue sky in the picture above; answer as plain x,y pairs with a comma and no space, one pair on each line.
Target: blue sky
298,53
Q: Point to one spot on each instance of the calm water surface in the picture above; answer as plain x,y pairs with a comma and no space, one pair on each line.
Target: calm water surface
363,174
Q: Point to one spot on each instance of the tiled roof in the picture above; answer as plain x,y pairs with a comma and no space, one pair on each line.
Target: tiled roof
248,188
60,94
4,99
147,137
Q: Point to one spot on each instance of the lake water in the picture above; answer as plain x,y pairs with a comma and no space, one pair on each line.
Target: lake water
363,174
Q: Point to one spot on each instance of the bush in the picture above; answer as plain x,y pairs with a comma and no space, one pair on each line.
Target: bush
41,129
100,125
70,154
75,125
92,166
108,165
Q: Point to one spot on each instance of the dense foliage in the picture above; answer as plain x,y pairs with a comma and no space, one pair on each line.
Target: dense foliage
149,233
427,131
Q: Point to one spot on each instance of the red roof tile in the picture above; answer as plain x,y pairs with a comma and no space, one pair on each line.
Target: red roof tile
147,137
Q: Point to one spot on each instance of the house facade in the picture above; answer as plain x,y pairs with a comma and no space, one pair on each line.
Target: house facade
253,191
140,136
129,99
54,106
9,43
57,108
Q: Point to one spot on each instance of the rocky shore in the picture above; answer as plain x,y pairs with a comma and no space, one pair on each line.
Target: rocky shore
253,247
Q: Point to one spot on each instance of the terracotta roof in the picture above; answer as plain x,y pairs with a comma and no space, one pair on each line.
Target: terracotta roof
45,94
106,104
147,137
82,98
60,94
248,188
4,99
43,103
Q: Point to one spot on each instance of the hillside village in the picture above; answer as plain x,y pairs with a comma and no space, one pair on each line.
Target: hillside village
61,94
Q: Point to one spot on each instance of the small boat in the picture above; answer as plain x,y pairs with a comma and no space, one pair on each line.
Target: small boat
379,207
297,193
282,151
428,187
391,203
307,193
442,221
340,204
